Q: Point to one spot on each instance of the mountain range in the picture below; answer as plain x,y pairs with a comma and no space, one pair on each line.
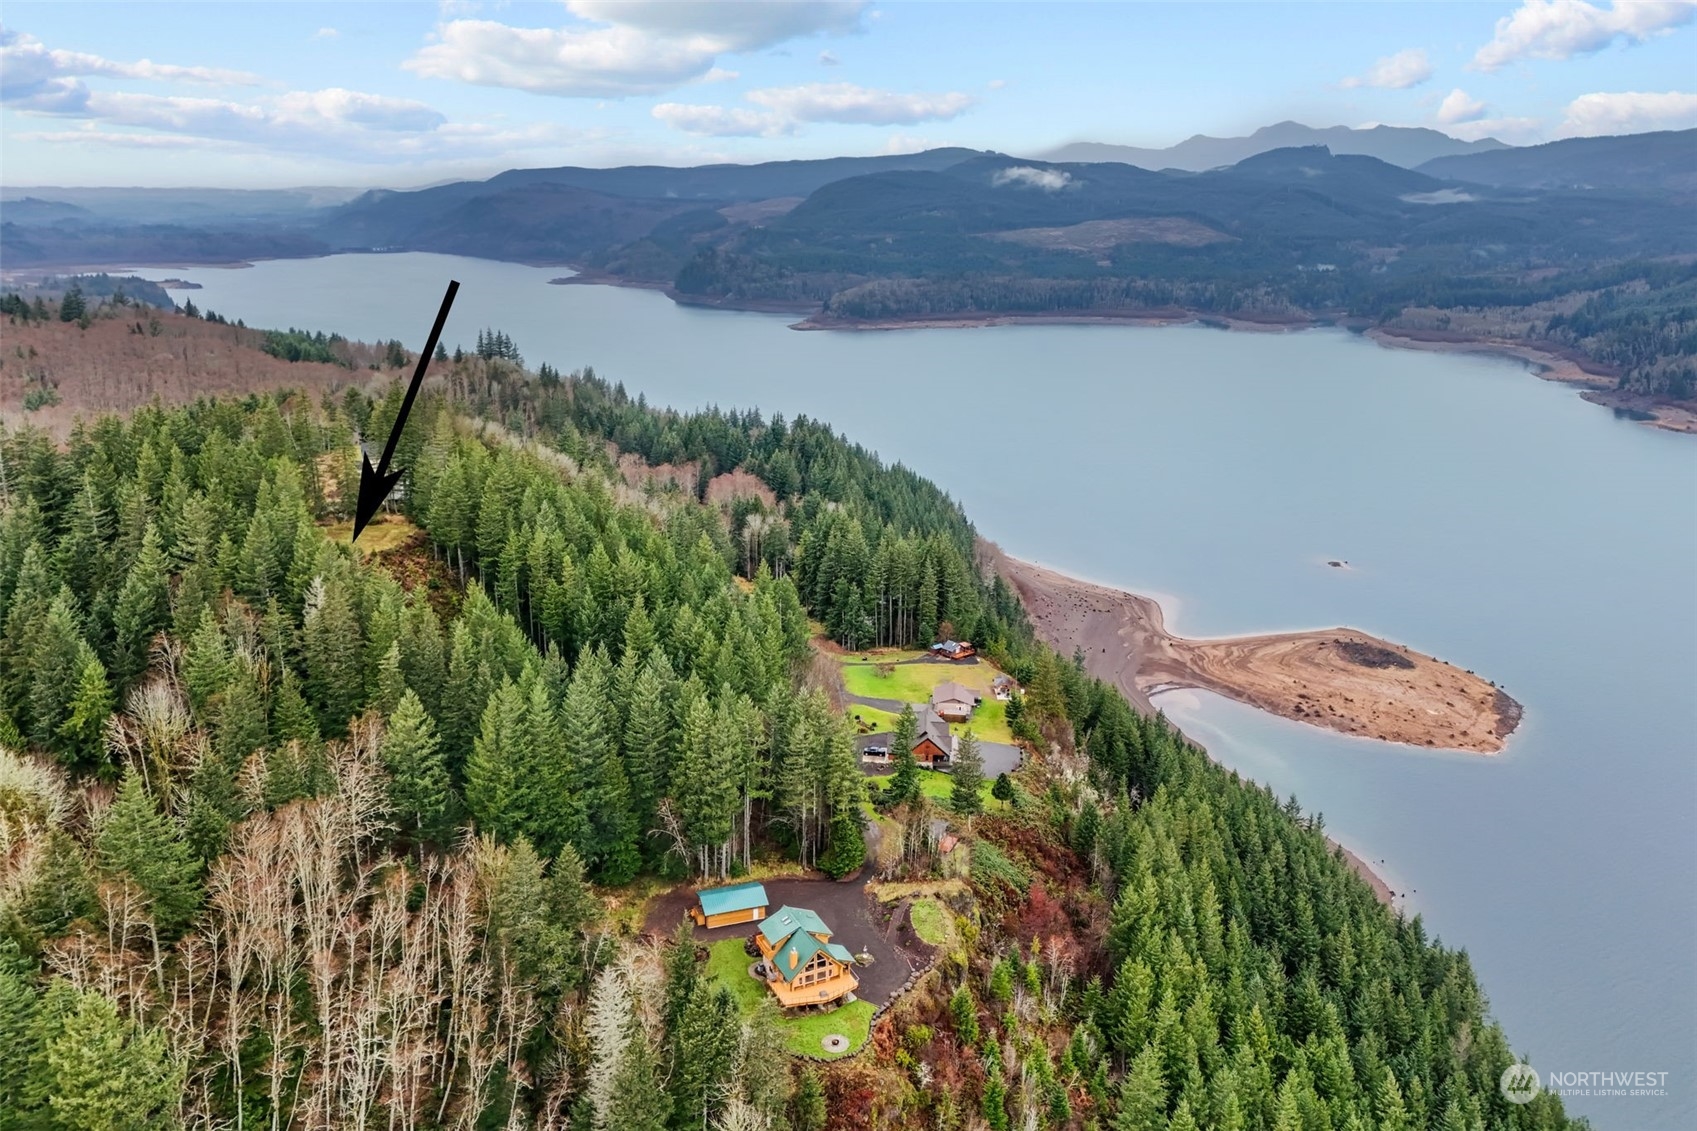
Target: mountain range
1586,242
1395,145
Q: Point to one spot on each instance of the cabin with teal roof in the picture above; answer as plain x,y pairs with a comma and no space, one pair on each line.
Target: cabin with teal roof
735,903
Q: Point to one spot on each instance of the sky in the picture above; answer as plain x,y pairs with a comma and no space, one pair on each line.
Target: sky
259,94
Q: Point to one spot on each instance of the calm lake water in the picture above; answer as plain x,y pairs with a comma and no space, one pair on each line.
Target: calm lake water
1491,519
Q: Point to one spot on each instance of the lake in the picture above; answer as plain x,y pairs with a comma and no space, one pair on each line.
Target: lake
1490,519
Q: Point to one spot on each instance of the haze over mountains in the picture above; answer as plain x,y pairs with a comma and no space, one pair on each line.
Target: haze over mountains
1396,145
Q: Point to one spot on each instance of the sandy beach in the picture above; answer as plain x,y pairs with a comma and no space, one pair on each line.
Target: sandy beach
1338,678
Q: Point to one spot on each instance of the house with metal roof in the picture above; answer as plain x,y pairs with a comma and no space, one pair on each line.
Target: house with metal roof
799,962
735,903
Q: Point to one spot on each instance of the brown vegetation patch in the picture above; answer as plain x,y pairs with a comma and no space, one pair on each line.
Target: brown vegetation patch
1095,236
739,484
638,474
129,356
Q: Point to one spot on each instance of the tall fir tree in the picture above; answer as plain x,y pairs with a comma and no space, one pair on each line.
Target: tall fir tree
420,793
140,844
966,778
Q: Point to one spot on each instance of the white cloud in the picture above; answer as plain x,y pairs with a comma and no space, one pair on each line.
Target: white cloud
1394,72
1514,131
784,109
1027,176
1561,29
849,104
332,123
623,47
326,33
898,144
719,74
1591,115
721,121
1459,106
32,76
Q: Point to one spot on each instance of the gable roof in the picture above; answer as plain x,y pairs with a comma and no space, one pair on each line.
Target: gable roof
932,726
840,953
786,921
949,689
795,954
735,897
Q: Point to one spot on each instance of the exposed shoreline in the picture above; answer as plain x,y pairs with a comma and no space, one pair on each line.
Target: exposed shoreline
1597,386
1126,643
1341,679
1596,383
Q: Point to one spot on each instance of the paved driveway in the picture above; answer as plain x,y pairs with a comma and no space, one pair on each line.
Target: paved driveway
855,918
999,757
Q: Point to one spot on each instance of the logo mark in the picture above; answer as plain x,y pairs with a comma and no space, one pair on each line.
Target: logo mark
1520,1084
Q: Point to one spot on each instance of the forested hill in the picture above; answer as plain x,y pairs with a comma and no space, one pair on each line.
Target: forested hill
1580,248
303,835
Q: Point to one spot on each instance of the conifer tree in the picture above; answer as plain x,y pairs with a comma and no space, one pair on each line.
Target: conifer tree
638,1102
142,845
419,790
332,642
95,1071
291,718
595,774
807,1106
492,786
966,787
56,658
904,783
648,741
82,734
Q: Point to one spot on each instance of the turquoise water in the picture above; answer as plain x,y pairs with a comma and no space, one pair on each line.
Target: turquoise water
1491,519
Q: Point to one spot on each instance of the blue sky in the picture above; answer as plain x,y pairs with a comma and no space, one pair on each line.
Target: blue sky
272,94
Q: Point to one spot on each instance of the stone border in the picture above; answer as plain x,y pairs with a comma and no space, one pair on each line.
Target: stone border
878,1011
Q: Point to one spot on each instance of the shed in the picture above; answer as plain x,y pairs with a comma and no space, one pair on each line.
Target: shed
737,903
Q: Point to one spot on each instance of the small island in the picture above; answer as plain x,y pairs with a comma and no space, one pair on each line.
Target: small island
1338,678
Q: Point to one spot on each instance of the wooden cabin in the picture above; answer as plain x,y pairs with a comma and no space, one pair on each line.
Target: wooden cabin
954,650
737,903
953,702
1003,687
800,963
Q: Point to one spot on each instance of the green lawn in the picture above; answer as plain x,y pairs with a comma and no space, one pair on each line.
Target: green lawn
872,717
939,786
728,965
989,722
930,921
912,683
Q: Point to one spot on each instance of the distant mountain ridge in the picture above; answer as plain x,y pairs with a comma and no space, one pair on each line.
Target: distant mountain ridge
1407,146
1663,161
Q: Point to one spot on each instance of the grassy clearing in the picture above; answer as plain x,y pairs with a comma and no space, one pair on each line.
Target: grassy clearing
871,718
940,786
930,921
386,532
728,965
913,683
989,722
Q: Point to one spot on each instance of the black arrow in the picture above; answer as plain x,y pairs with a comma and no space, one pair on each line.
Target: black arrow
374,486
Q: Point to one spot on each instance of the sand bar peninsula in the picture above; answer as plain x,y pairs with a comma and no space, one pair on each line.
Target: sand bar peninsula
1338,678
